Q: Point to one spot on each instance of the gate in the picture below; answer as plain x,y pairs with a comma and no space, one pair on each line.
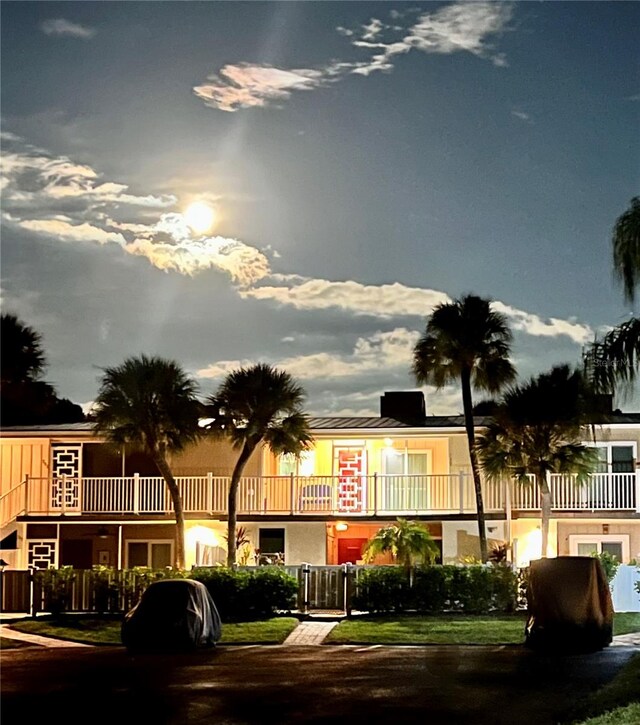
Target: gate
15,591
325,587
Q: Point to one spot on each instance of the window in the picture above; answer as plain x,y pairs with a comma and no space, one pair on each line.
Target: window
615,457
587,544
154,554
402,463
271,545
289,465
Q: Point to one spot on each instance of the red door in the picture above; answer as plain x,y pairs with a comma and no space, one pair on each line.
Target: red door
350,550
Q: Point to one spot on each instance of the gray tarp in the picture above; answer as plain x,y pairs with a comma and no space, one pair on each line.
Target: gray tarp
569,604
172,614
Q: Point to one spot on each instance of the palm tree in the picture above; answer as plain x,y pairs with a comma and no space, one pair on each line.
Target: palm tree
151,403
614,359
25,399
408,542
22,358
466,340
537,430
254,405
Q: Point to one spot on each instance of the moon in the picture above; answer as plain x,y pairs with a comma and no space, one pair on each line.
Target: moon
200,217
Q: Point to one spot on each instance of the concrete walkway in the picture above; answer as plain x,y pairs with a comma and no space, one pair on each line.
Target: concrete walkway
37,639
307,633
626,640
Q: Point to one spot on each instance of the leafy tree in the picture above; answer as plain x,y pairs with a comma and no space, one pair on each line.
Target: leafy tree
150,403
408,542
613,361
254,405
466,341
26,399
537,430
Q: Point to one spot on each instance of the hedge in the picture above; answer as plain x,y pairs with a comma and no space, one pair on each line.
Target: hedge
242,594
432,589
238,594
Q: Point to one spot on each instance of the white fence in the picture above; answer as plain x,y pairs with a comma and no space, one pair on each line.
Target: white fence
623,590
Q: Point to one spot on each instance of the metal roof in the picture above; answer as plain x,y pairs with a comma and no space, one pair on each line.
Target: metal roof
342,423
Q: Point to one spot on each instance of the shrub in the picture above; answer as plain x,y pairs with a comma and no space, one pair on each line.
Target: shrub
431,588
382,589
57,586
470,589
241,594
610,564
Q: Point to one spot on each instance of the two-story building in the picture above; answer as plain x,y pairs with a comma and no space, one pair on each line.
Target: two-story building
68,497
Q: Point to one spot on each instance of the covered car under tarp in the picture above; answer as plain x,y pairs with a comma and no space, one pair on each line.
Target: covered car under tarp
172,614
569,605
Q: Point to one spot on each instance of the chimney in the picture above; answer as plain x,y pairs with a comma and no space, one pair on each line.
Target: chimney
405,406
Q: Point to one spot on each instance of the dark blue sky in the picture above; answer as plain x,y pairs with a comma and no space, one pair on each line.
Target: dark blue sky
346,147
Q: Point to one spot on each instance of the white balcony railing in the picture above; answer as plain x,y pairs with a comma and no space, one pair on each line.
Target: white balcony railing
376,494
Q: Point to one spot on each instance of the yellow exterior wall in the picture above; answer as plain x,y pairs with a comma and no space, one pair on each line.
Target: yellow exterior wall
324,449
215,456
20,457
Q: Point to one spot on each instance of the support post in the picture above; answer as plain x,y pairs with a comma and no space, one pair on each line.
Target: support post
461,490
292,493
375,494
26,494
136,493
210,492
119,547
507,506
306,575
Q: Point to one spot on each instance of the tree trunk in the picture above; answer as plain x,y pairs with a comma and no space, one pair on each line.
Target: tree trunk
545,505
467,405
176,499
232,502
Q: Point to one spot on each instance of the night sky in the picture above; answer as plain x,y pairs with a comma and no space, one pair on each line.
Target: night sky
364,162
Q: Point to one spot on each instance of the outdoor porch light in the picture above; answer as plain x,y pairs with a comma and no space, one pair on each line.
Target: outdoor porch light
103,533
341,526
388,442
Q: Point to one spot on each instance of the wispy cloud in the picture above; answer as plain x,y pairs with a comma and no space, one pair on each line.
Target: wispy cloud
60,198
457,27
522,115
61,27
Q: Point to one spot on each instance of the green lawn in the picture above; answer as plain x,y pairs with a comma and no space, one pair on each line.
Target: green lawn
442,629
626,622
448,629
629,715
96,630
7,643
617,703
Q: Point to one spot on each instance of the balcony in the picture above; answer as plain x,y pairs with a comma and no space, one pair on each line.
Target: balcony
373,495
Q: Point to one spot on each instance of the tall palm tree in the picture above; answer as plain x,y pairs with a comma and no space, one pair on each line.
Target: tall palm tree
408,542
254,405
465,340
151,403
537,430
613,361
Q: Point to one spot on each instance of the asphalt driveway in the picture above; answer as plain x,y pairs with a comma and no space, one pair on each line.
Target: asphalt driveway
396,685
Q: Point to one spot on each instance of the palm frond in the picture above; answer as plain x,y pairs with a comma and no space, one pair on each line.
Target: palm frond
148,402
625,240
612,363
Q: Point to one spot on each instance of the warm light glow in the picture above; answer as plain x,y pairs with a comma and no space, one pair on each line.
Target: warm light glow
202,535
341,526
199,217
388,442
529,547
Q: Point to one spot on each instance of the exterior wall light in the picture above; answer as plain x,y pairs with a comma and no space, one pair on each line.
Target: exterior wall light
341,526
